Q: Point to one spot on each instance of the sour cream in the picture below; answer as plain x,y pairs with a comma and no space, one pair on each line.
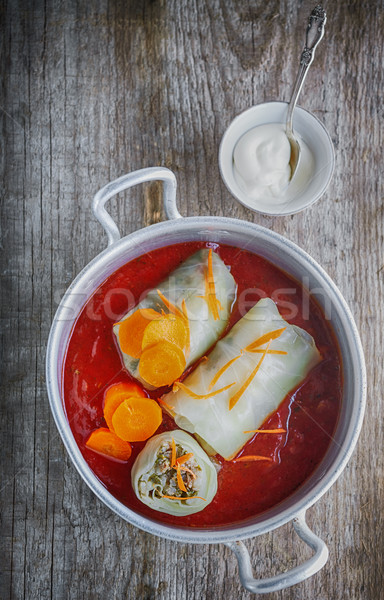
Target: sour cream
261,165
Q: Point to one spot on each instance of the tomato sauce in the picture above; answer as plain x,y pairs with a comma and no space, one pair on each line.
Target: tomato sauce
309,414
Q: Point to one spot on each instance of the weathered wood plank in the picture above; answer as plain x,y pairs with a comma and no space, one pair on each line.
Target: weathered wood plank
91,91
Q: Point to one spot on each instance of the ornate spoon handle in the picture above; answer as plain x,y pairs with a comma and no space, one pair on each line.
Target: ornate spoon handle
315,31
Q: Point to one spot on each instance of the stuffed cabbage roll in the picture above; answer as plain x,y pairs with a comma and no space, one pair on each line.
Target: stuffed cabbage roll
177,322
173,474
246,377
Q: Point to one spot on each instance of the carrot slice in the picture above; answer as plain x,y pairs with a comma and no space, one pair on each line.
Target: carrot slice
252,458
267,337
105,442
136,419
236,397
169,327
131,330
161,363
115,395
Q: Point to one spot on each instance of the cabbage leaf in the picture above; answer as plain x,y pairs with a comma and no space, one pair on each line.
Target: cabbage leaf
187,283
153,476
223,429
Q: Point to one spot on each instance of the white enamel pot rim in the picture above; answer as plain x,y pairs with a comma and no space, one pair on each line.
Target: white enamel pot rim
293,260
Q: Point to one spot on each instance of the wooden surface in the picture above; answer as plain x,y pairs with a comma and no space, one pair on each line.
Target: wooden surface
92,90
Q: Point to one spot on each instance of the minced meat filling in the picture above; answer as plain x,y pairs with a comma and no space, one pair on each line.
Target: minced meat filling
164,476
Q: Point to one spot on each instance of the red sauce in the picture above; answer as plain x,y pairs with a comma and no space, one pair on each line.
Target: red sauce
309,414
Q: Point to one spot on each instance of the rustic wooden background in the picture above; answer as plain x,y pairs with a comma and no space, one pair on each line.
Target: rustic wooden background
91,90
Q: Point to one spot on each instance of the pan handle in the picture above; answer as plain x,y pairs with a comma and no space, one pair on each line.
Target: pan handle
291,577
126,181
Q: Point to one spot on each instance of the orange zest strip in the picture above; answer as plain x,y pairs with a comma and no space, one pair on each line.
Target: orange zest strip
221,371
180,481
266,431
230,362
211,280
252,458
177,462
260,350
146,313
184,309
165,404
235,398
179,385
206,296
264,339
189,471
213,300
210,297
182,459
178,497
171,307
173,455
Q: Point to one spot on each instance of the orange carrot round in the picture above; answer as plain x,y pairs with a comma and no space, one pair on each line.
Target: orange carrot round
169,327
162,363
105,442
131,330
136,419
116,394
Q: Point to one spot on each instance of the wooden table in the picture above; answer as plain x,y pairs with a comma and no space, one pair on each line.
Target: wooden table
92,90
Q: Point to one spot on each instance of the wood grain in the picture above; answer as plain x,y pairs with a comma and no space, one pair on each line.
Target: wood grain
92,90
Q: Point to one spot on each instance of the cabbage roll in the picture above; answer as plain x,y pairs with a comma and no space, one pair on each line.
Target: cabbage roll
246,377
173,474
178,321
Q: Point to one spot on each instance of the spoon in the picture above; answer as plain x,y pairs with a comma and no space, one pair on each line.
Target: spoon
315,31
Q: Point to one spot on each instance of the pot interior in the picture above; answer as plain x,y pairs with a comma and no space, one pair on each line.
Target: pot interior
288,257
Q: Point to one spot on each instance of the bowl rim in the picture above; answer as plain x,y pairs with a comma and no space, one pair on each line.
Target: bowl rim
241,200
218,534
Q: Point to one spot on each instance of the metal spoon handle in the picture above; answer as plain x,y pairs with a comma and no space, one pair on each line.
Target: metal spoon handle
315,31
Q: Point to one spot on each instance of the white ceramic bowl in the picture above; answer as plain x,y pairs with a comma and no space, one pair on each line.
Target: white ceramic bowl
309,128
290,258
